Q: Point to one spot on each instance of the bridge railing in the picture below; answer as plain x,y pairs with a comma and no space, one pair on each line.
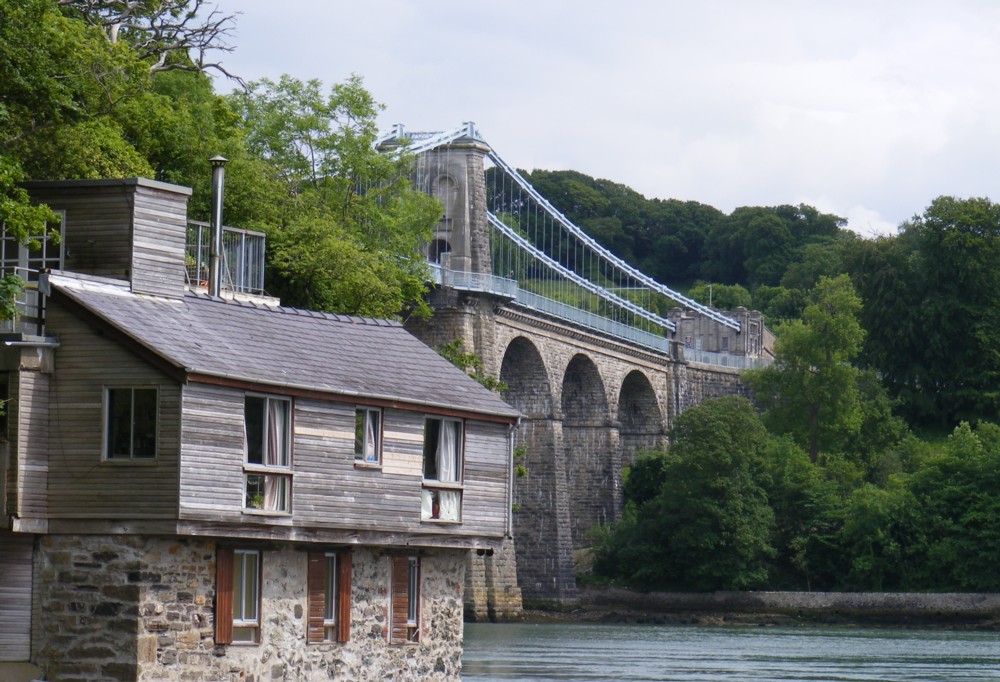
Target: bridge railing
474,281
593,321
705,357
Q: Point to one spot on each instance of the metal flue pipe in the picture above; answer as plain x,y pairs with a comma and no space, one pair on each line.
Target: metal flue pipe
215,247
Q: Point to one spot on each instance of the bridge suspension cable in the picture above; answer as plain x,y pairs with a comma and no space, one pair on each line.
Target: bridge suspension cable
603,252
556,264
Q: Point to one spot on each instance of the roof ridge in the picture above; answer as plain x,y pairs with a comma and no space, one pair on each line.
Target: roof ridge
298,312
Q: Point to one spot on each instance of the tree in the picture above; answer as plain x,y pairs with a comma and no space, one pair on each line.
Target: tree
810,392
350,227
60,82
932,305
956,502
708,526
720,296
166,34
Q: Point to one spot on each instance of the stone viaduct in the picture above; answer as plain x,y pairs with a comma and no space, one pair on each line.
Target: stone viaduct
589,401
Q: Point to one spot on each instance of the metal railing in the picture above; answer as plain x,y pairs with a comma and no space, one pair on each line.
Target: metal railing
474,281
705,357
242,258
593,321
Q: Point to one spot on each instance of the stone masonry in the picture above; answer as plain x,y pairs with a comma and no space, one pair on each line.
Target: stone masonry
142,608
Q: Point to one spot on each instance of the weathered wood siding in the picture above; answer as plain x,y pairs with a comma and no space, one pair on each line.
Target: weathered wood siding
211,473
487,466
28,427
160,233
15,598
127,229
81,484
328,490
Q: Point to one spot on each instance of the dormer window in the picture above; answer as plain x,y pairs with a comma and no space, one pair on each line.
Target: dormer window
267,452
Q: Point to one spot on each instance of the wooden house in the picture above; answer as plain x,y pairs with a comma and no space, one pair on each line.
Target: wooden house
204,487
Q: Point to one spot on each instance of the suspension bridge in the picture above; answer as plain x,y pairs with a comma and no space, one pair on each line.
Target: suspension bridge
598,356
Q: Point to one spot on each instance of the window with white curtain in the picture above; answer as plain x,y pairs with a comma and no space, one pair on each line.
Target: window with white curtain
441,498
368,435
267,454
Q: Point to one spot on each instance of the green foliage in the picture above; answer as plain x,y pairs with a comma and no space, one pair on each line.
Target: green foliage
471,364
708,525
350,227
11,287
932,307
810,392
721,296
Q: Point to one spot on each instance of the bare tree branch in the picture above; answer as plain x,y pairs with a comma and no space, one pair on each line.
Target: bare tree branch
160,30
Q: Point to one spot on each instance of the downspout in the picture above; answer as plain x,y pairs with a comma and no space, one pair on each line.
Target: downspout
215,244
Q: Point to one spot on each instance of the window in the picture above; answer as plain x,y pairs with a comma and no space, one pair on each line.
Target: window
368,435
405,600
725,344
237,596
130,423
441,498
267,450
329,587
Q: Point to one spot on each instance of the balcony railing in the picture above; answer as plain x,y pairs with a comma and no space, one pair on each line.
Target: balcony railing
242,258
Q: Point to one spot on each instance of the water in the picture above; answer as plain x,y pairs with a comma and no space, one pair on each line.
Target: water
698,654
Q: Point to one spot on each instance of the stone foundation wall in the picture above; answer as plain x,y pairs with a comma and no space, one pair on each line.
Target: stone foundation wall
133,608
491,591
852,603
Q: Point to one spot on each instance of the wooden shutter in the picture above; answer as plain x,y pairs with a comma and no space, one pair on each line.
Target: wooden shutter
344,597
224,596
315,581
399,588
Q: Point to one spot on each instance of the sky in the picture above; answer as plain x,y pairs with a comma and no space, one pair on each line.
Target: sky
867,110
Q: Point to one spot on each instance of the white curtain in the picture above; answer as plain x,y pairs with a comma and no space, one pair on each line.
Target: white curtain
426,504
276,453
371,418
447,452
449,502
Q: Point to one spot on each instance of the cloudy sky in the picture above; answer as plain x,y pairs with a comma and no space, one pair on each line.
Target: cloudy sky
866,109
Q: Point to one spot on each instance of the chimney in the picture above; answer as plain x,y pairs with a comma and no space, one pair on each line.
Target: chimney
215,249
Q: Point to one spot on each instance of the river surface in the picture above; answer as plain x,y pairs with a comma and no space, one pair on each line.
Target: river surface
521,651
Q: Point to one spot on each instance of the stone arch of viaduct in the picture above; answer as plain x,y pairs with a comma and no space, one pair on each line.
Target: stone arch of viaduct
588,407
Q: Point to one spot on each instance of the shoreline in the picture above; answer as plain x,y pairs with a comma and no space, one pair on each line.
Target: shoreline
951,611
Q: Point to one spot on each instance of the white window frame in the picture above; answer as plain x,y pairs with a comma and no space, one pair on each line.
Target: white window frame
363,454
246,627
260,479
107,440
441,497
330,598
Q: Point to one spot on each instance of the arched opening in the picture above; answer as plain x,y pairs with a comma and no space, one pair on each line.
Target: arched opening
523,371
437,249
541,520
639,416
590,447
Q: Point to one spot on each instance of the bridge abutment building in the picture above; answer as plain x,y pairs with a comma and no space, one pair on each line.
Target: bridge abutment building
589,402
